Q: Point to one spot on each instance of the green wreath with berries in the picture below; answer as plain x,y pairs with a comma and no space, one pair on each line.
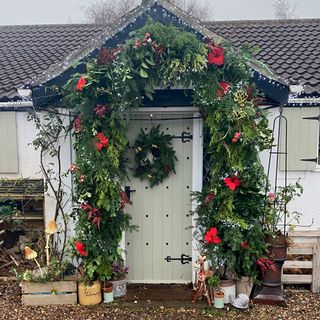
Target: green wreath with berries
155,157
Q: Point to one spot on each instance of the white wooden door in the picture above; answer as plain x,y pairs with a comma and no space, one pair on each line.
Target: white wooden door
162,213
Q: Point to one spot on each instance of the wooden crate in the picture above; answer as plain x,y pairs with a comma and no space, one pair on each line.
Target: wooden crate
49,293
2,232
304,243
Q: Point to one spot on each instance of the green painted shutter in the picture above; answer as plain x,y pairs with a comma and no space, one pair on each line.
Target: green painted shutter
303,138
8,143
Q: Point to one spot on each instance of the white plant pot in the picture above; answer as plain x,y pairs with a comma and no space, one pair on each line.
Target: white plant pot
229,289
119,288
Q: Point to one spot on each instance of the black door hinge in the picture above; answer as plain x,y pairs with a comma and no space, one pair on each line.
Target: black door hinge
183,259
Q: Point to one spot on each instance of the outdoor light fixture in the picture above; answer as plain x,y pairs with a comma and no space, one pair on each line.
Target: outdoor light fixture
25,93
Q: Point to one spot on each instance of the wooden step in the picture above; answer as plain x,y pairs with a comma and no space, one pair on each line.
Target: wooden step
297,278
297,264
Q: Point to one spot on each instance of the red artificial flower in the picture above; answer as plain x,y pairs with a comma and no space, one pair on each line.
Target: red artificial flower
232,183
224,89
236,137
81,178
216,55
99,146
77,124
209,197
81,83
80,247
211,236
103,141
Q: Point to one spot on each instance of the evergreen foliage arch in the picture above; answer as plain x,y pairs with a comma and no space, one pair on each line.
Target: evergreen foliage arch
119,79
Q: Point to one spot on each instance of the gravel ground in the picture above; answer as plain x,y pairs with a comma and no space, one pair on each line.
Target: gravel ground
303,305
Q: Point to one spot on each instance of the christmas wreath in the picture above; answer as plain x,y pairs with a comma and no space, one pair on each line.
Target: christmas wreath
155,157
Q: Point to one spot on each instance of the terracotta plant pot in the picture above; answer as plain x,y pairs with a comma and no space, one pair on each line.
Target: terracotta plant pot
244,285
89,294
229,289
218,299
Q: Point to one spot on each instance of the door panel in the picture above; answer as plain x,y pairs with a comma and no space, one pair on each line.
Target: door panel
162,213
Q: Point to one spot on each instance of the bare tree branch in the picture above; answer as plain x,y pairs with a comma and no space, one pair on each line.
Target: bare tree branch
284,10
108,11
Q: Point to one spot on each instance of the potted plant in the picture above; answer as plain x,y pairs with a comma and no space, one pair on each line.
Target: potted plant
278,218
46,284
118,279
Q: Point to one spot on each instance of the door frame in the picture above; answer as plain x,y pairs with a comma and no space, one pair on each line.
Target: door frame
197,162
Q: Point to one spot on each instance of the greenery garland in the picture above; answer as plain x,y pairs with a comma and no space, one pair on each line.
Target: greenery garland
155,157
160,55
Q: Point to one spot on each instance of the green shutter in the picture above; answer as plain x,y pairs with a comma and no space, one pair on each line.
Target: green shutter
8,143
303,138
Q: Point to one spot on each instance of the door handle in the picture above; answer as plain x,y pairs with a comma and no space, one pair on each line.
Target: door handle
127,190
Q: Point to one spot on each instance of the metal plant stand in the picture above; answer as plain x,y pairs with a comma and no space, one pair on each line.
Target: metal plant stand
271,289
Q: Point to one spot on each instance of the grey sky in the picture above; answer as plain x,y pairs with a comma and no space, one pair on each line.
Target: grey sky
66,11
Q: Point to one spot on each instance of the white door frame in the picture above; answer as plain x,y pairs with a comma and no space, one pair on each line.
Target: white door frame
197,162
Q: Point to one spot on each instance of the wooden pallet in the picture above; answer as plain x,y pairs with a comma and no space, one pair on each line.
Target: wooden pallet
49,293
304,243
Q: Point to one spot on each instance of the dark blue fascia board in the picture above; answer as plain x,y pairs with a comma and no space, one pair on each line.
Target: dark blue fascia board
278,93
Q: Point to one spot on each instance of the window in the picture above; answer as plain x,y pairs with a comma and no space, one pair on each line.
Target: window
8,143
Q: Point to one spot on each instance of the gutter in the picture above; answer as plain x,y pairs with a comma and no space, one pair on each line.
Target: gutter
21,105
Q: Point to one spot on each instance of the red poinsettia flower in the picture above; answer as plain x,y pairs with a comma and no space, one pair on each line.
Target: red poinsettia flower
85,206
80,247
211,236
209,197
232,183
216,55
81,83
224,89
236,137
103,141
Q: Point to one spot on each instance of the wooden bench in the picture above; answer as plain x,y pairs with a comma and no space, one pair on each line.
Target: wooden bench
304,243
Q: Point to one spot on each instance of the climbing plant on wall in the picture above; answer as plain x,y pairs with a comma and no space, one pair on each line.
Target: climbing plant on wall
119,79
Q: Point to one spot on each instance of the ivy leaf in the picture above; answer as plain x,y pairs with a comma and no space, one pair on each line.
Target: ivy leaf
143,73
151,61
144,65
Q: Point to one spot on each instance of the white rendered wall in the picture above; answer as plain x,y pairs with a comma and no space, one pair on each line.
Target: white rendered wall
29,162
309,203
